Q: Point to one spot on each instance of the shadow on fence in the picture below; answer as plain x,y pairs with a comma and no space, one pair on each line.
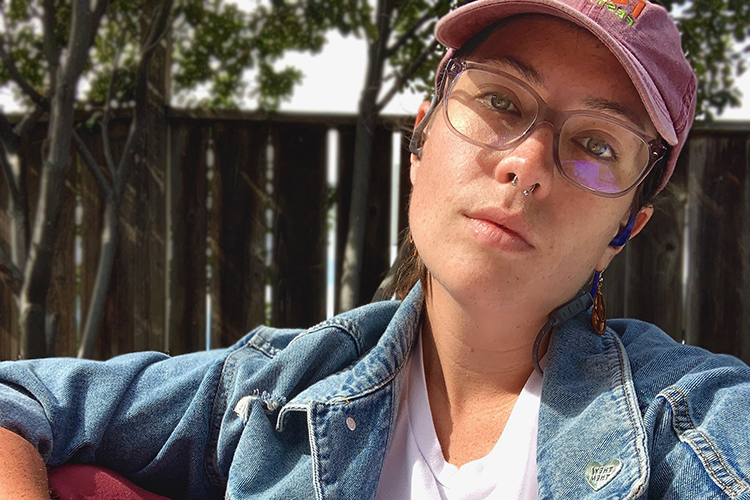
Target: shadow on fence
229,230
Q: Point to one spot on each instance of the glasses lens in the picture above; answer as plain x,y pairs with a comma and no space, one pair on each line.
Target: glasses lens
601,155
489,109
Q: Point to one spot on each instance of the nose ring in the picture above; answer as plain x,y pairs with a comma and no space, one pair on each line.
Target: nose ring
526,192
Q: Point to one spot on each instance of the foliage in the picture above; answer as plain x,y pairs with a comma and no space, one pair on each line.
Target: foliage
218,46
714,37
214,44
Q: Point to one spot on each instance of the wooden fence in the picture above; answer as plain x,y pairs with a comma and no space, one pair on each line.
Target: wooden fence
230,231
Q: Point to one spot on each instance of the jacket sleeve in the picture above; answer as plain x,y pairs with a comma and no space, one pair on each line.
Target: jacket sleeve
696,406
145,415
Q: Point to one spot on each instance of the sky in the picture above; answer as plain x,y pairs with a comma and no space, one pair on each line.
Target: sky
346,59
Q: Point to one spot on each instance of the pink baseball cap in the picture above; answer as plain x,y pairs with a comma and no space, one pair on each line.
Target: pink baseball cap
641,35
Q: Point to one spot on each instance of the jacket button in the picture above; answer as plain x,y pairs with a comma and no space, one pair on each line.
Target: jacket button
351,423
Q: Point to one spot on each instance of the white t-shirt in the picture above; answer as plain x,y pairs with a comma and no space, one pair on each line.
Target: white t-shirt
416,469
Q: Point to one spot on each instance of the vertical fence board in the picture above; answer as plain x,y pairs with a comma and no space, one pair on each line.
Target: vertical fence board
214,231
744,340
240,163
654,261
92,204
144,252
62,291
153,260
189,229
343,202
8,311
300,193
376,255
115,332
715,186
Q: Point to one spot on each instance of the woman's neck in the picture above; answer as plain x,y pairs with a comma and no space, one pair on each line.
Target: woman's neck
474,370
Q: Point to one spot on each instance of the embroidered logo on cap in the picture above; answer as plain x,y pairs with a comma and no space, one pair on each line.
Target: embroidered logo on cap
620,8
598,475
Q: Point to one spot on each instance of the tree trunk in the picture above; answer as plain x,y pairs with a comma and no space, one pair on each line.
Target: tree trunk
86,17
38,269
110,233
369,111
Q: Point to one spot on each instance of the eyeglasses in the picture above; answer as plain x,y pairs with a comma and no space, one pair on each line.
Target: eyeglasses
492,109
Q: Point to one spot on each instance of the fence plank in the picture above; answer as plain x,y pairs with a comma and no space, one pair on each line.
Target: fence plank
240,151
377,249
61,297
8,310
343,202
744,340
115,333
299,249
187,283
92,204
716,186
653,288
376,255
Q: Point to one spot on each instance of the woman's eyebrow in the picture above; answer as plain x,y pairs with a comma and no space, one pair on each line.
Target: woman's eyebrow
523,68
600,104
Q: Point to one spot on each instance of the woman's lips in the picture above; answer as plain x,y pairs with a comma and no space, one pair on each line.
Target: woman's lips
507,235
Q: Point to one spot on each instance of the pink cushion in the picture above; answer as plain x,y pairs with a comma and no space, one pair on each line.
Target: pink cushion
92,482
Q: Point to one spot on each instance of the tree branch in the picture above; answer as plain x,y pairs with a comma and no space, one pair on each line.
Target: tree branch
12,276
16,76
406,75
157,27
406,35
108,109
90,162
84,26
51,52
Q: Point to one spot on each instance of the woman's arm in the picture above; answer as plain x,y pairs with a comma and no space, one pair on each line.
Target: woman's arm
23,474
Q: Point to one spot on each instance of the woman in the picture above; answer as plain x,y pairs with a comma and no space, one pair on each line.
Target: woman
553,124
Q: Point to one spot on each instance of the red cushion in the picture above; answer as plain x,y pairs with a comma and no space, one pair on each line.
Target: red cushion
91,482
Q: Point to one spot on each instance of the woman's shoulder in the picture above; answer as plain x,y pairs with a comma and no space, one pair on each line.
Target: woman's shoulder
653,353
694,405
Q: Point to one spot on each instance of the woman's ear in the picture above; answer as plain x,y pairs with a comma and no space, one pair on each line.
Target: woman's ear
418,138
641,218
644,215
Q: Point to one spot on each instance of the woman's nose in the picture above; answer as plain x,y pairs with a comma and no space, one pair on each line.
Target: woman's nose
530,165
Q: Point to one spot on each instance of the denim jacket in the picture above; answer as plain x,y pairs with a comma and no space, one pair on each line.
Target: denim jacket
300,414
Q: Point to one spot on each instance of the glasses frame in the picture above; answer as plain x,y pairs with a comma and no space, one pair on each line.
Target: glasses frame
545,114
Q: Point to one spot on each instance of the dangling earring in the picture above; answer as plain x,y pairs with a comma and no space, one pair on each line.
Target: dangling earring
414,251
598,314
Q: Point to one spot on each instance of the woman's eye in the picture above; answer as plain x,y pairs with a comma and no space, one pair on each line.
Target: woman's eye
502,103
598,147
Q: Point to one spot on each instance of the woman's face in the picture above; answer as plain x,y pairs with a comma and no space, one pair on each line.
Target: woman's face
483,241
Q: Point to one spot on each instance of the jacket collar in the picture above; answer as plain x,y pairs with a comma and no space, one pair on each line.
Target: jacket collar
592,442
